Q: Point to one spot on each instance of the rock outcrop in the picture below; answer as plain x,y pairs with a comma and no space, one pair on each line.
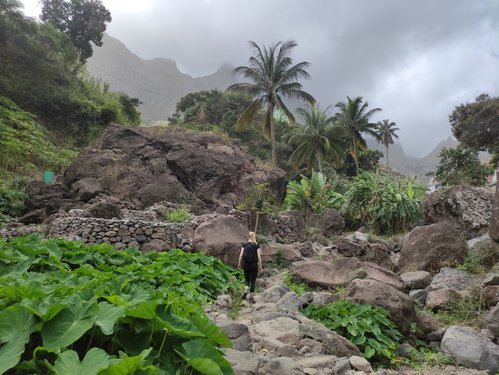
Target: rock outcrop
467,209
147,165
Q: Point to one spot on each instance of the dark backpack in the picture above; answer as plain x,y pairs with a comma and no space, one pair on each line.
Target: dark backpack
250,255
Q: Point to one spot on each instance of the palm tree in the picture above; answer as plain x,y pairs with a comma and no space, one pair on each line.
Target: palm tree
315,139
385,132
354,117
272,77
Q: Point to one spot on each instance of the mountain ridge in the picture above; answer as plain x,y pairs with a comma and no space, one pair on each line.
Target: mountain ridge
158,83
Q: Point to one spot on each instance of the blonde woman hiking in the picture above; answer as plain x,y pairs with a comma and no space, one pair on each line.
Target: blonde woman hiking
250,259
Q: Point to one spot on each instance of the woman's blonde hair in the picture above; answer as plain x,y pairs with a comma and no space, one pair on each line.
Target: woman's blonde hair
252,237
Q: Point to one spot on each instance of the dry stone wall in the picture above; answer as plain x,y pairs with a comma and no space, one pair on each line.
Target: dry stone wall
119,233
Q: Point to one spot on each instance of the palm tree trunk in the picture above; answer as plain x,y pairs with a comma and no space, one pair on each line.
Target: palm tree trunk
355,156
319,164
387,167
272,135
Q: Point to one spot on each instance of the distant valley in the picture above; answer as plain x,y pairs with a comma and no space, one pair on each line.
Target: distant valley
159,84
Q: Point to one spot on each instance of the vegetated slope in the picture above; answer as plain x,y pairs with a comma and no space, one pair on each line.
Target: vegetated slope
61,301
157,83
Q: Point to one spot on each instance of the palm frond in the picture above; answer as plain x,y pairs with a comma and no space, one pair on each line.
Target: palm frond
246,119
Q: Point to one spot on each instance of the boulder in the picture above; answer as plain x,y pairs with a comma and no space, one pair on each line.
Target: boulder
471,349
440,298
238,333
274,293
104,210
419,296
283,329
282,365
466,208
416,280
349,248
330,222
86,189
490,296
399,305
286,226
430,247
290,253
331,341
360,364
222,237
494,220
492,320
427,324
380,254
337,273
449,278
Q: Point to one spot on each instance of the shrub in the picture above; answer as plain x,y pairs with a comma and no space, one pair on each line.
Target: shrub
366,326
312,194
295,285
382,204
178,215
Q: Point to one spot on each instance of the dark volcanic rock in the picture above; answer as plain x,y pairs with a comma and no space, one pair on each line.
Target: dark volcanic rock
148,165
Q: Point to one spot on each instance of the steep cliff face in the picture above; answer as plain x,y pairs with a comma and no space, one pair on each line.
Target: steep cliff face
157,83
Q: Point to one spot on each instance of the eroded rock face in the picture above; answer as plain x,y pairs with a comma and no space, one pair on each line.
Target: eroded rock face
430,247
148,165
468,209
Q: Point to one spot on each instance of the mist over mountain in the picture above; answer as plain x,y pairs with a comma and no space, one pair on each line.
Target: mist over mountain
158,83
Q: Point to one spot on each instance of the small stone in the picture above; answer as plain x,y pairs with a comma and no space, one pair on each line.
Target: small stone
491,279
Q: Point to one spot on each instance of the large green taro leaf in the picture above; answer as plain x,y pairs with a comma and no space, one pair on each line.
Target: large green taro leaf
70,323
205,358
16,325
108,316
68,363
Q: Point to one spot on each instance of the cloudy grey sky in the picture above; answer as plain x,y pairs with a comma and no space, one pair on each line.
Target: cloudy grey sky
416,60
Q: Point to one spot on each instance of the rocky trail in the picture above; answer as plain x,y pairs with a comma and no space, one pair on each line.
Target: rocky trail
272,337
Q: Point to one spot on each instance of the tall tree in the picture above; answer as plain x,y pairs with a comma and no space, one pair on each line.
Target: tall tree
84,21
315,140
272,77
354,116
386,131
476,124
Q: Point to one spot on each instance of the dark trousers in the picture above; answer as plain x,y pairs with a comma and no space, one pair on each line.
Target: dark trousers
250,273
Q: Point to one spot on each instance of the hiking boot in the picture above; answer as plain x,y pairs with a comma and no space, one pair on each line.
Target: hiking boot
244,295
251,299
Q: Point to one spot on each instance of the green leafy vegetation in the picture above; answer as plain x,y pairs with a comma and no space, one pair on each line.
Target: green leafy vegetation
25,146
295,285
312,195
12,197
462,166
475,125
279,261
366,326
43,74
177,215
384,205
463,309
67,307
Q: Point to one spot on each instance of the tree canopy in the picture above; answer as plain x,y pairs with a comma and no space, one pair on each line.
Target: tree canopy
355,117
386,131
476,124
271,77
83,21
